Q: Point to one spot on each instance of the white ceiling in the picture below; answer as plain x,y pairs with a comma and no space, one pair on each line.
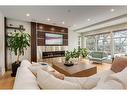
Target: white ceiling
71,15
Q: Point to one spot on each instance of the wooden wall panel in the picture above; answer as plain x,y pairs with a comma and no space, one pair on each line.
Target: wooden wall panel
44,28
5,41
40,34
40,41
33,42
38,31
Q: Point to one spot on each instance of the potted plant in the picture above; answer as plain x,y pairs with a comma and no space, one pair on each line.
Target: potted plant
68,55
18,41
75,55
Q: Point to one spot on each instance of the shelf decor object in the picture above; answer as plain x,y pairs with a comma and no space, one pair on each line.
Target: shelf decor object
20,28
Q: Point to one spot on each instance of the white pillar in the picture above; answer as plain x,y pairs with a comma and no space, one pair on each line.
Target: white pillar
95,43
112,44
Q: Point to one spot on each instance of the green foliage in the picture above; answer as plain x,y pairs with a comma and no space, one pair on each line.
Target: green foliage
18,42
76,53
67,55
83,52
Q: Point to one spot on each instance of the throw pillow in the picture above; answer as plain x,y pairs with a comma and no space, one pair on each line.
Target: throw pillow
119,64
120,77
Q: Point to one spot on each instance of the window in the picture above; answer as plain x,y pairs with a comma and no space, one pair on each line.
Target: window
91,42
114,44
120,42
100,42
103,42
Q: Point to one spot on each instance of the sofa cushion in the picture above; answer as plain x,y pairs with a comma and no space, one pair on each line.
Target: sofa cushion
34,68
119,64
25,79
77,80
111,84
84,82
57,74
48,81
25,63
90,82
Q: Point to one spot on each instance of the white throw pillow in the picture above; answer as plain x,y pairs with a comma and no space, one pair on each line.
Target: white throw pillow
104,76
120,77
25,63
113,81
97,79
48,81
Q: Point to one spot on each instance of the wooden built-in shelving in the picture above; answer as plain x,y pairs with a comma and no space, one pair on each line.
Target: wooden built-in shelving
15,28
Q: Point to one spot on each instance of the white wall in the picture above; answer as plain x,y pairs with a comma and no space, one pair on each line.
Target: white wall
2,61
72,40
10,56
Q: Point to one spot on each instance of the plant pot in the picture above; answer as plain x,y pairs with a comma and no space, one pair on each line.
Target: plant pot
14,68
68,63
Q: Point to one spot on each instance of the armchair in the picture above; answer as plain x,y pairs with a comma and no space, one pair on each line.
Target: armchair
97,56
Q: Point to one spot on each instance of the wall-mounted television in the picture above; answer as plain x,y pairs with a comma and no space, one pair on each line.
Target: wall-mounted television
53,39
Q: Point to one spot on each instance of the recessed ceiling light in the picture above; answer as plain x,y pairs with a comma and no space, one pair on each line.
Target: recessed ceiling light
63,22
27,14
112,10
88,19
48,19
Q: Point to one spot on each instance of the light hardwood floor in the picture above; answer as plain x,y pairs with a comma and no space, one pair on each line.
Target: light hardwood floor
100,67
6,82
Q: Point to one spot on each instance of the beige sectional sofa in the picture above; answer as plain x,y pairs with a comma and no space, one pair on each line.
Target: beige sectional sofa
25,79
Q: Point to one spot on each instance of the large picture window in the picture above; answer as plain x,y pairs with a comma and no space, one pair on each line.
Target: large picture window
100,42
114,43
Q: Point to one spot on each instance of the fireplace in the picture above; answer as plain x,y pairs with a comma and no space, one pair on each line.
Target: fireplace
53,54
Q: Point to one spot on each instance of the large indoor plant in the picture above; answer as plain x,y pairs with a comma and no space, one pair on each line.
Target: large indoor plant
18,42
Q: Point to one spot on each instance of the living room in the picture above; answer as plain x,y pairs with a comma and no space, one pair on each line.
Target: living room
77,44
